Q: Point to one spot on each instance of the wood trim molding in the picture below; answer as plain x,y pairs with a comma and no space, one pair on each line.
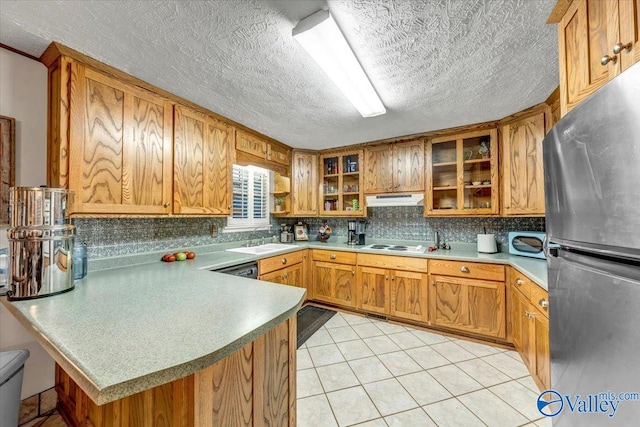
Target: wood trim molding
19,52
558,11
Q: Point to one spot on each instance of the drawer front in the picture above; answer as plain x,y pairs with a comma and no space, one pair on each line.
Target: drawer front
394,262
520,282
268,265
334,256
473,270
540,298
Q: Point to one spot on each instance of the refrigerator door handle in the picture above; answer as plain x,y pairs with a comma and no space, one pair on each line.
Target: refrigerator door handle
550,249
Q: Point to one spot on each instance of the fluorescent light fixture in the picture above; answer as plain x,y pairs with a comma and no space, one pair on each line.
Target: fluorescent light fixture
322,39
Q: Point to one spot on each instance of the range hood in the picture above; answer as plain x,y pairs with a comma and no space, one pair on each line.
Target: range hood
401,199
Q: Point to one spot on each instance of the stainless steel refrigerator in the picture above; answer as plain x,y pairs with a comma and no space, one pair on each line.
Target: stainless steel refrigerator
592,184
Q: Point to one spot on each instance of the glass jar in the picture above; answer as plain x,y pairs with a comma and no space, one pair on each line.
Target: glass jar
79,260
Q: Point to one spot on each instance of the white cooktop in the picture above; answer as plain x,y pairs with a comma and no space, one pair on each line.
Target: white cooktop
396,248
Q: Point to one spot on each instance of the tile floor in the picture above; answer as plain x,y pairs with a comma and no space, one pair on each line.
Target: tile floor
360,371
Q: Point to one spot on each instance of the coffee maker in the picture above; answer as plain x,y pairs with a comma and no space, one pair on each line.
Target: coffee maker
355,234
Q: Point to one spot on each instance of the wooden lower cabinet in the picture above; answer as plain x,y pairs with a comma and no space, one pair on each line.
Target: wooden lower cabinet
530,327
468,305
542,350
291,276
334,283
373,289
256,386
409,295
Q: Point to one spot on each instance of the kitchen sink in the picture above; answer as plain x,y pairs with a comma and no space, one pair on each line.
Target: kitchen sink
262,249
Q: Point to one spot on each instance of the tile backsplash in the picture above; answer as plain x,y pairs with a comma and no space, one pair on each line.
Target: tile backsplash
107,237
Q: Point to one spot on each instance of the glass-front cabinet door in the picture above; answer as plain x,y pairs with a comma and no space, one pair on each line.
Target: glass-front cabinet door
463,178
342,184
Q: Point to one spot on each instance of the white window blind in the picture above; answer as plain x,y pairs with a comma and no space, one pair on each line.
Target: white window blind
250,206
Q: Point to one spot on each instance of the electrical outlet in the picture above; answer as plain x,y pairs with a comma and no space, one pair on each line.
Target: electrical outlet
214,230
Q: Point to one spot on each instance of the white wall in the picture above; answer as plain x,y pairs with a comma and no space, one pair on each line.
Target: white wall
23,96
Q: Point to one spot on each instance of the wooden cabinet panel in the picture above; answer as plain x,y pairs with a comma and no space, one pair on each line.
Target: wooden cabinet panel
467,269
583,41
120,148
202,164
270,264
335,283
305,184
373,289
276,276
249,144
476,306
520,282
523,176
397,167
542,351
379,169
629,11
540,299
334,256
408,166
278,154
409,295
521,327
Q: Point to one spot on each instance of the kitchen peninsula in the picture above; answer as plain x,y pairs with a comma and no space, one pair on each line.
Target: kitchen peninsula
170,344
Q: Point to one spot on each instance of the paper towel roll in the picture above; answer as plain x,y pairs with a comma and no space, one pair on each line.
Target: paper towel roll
487,243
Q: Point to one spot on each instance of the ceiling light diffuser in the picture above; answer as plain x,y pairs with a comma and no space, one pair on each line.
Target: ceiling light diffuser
322,39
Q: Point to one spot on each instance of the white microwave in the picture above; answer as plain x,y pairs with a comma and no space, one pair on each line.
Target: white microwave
527,243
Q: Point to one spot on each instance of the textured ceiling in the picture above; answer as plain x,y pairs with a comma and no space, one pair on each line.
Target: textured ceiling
435,63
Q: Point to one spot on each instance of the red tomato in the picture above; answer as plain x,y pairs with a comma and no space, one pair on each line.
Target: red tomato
171,258
191,255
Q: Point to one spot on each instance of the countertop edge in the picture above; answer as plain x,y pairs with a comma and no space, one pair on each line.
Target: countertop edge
138,384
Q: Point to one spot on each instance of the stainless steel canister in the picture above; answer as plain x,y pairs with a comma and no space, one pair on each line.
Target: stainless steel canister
40,243
37,206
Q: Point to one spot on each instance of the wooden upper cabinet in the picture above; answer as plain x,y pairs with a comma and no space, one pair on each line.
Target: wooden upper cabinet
588,33
120,146
342,184
397,167
250,144
262,153
629,12
379,169
463,174
523,175
305,183
202,164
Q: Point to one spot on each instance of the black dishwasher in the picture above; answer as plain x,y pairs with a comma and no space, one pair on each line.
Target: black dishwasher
249,270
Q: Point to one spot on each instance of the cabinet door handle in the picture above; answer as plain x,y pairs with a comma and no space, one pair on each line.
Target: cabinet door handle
433,283
619,47
166,205
543,303
386,277
519,282
464,269
606,59
393,277
353,272
284,260
332,256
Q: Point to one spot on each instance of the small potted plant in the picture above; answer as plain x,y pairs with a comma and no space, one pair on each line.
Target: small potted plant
279,203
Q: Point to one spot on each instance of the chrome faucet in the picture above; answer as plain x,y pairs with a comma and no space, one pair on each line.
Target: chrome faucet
438,243
252,235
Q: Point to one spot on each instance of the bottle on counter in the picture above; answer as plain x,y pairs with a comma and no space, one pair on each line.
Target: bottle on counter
79,260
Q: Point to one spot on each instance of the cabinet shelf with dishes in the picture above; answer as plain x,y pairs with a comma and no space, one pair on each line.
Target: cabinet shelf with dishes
342,184
463,178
